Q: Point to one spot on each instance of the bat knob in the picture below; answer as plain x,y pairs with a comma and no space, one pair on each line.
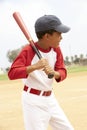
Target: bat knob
50,76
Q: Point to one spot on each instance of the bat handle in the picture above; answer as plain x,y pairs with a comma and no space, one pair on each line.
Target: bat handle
50,76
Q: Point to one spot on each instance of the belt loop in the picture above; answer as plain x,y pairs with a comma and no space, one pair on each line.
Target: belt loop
28,90
41,93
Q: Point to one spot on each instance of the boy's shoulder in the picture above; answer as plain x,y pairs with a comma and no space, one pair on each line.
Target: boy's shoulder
57,49
26,47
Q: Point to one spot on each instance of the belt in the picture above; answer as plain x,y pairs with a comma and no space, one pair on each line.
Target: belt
37,92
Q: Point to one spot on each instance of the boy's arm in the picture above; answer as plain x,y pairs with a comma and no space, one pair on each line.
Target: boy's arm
60,68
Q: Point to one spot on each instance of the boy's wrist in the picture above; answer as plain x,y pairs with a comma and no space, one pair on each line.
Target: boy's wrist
56,75
30,68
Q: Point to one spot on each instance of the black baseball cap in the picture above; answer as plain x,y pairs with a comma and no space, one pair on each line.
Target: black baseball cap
48,22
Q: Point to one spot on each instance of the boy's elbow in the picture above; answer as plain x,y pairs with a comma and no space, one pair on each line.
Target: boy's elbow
10,76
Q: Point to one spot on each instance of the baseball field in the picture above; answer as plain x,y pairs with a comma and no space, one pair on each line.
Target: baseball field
71,94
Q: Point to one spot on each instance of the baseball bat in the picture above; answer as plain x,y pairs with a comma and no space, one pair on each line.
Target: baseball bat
26,33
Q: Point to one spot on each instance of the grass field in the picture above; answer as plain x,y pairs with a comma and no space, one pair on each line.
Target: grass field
76,68
4,77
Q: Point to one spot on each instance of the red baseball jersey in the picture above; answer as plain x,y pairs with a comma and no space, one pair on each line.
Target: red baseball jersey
37,79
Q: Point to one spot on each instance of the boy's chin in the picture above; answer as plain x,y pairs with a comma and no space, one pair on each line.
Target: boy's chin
56,46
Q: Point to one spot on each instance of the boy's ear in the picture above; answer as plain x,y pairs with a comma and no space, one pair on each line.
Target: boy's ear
46,36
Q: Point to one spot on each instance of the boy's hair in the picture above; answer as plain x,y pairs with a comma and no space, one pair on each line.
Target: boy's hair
42,33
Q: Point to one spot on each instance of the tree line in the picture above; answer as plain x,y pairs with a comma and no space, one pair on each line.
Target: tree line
77,60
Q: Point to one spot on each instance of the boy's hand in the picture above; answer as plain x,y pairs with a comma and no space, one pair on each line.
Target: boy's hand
44,65
41,64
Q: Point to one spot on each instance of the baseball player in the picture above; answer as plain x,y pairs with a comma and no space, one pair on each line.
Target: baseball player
40,106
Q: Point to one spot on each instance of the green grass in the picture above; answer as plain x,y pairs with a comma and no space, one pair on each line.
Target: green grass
3,77
74,69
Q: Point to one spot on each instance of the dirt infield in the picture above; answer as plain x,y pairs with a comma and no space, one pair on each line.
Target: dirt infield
71,94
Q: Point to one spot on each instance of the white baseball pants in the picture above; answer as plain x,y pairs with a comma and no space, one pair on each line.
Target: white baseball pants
39,111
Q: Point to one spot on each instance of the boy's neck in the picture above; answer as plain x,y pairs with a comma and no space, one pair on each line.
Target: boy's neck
43,44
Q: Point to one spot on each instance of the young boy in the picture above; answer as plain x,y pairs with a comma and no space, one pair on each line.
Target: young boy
40,106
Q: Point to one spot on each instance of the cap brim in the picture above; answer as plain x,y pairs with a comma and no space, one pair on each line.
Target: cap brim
62,28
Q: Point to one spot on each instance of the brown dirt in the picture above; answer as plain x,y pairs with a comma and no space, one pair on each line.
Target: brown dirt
71,94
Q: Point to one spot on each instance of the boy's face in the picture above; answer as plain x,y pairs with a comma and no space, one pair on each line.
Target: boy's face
54,39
